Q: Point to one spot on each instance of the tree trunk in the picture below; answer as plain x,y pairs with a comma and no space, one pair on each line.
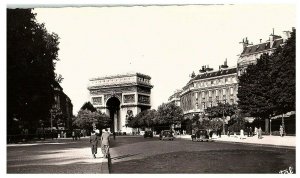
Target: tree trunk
267,121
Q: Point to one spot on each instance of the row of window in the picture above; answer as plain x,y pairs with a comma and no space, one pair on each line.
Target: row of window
207,83
204,105
216,92
196,100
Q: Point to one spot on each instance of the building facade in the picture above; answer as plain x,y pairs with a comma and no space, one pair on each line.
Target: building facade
211,87
119,95
62,108
251,53
175,98
208,89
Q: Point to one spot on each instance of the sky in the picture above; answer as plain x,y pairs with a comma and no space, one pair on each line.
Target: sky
167,43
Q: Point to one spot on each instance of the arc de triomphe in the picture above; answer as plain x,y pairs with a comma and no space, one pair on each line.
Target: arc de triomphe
118,95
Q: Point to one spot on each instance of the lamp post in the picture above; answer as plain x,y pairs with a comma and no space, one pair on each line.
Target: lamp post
270,126
223,122
51,120
282,123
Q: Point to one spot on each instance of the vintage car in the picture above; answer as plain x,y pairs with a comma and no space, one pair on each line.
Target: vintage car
166,135
148,134
200,135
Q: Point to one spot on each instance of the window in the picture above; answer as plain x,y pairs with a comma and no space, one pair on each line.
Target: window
231,90
226,80
203,105
224,91
209,93
203,94
217,93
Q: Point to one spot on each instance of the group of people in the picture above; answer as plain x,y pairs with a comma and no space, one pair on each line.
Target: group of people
104,143
75,135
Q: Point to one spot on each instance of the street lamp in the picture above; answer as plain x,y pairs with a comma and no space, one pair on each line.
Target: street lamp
270,126
223,119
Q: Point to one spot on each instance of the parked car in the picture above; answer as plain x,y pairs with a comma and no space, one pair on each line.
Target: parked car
166,135
200,135
148,134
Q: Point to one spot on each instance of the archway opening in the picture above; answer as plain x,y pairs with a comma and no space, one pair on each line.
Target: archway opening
113,105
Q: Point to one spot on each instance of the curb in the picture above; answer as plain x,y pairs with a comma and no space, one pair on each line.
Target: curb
105,167
257,144
252,144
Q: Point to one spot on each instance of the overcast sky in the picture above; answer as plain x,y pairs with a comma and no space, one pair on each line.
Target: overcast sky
166,42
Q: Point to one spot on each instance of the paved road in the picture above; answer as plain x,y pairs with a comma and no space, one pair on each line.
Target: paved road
139,155
57,156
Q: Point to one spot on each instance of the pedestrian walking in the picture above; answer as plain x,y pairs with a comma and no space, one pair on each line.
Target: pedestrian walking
259,133
105,143
94,143
73,135
255,130
250,130
242,136
281,131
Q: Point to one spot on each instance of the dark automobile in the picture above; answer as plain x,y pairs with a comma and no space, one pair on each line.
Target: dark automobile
148,134
200,135
166,135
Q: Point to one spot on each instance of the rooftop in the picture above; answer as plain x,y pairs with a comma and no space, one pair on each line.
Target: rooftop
214,74
261,47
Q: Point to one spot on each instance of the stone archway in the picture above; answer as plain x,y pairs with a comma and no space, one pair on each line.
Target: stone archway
117,94
113,107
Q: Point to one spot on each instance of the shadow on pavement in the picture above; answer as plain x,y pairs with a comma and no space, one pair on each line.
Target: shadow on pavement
123,156
67,157
215,161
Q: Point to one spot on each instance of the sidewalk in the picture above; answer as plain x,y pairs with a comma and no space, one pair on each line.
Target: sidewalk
286,141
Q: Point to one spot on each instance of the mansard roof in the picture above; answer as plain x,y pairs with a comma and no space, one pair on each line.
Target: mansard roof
214,74
261,47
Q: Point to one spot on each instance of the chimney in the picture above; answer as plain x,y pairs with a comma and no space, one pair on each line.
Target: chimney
260,40
245,43
272,39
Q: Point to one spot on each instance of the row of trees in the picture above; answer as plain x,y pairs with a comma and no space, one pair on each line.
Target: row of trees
268,88
167,115
31,56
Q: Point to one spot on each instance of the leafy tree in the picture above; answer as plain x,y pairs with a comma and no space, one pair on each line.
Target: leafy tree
149,120
58,78
268,87
254,91
169,114
221,110
215,124
235,124
143,119
196,120
283,74
129,117
31,56
88,105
